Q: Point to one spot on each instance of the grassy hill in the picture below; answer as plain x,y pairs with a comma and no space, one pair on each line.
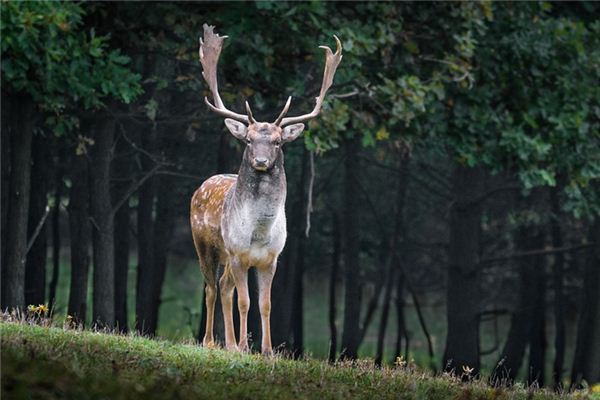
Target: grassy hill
50,362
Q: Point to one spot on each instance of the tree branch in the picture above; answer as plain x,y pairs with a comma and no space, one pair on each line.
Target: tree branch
545,252
38,229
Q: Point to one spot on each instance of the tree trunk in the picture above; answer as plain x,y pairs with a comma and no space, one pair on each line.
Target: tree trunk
122,176
79,225
5,120
522,326
18,208
559,298
462,340
393,260
586,363
400,321
145,227
385,311
35,267
285,283
56,237
335,267
103,225
298,302
351,330
537,339
163,230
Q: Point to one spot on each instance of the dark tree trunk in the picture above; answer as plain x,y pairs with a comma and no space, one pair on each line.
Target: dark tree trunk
284,298
462,340
385,311
21,134
559,298
335,267
145,238
163,230
351,207
58,188
122,175
394,251
103,225
298,303
522,326
35,267
537,340
586,363
5,171
79,226
400,321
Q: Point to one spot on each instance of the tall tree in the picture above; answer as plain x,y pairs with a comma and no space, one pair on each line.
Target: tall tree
352,293
463,286
35,267
586,362
80,233
18,206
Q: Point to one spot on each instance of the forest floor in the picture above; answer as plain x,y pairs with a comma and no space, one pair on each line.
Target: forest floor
51,362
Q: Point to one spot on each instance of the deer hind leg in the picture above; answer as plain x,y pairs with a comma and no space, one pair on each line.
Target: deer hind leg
240,276
209,266
265,279
226,285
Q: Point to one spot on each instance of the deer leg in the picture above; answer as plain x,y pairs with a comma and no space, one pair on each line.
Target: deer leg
240,276
227,285
208,266
265,279
210,295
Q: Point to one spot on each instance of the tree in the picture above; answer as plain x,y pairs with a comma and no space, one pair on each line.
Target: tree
50,65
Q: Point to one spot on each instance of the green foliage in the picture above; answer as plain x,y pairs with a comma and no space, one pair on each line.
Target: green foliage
47,55
81,364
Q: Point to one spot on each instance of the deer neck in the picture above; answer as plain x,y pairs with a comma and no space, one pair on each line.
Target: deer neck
265,190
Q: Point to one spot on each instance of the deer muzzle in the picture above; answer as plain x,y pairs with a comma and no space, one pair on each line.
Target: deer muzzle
260,163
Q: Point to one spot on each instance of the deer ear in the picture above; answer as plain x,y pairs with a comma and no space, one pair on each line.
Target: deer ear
291,133
237,129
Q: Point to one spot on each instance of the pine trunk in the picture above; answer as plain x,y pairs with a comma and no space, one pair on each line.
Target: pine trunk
145,239
103,225
352,296
21,135
79,225
462,340
35,267
586,363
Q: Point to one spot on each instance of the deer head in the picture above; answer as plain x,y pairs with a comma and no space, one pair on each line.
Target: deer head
263,139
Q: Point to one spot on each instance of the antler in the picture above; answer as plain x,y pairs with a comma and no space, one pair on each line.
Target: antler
210,49
331,63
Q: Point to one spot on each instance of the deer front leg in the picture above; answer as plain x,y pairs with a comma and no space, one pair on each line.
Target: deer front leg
265,279
240,276
227,285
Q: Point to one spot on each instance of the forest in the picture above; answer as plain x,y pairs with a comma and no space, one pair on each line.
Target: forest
443,209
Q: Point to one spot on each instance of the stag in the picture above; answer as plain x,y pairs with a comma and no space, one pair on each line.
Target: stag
238,221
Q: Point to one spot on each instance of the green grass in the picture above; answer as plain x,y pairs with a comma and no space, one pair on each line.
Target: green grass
179,316
51,362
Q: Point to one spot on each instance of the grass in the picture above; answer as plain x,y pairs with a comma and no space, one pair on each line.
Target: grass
179,316
51,362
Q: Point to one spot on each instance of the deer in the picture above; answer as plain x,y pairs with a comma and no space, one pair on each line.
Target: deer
238,221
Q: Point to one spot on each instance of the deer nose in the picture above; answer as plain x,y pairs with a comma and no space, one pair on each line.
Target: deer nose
260,161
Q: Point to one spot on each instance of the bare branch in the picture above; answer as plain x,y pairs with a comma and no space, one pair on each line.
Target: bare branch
38,229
